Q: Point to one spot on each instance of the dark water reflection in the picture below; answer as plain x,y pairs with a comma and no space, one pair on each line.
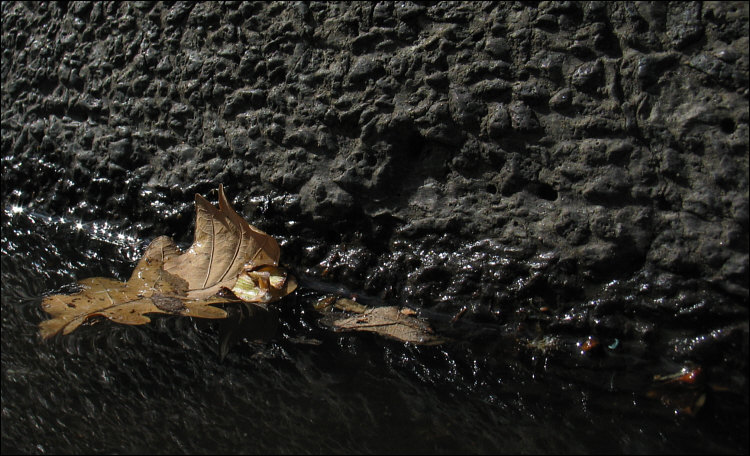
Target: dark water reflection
161,388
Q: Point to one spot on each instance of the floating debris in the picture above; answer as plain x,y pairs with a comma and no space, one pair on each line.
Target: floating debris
684,391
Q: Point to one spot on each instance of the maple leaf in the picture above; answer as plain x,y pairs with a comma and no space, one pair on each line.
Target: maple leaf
224,245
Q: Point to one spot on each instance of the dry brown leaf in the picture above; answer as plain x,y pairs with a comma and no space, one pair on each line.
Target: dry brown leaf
223,245
390,322
150,289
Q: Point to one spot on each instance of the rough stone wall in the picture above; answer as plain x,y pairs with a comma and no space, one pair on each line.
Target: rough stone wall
503,157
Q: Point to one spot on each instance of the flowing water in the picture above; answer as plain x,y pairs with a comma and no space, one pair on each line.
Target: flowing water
163,388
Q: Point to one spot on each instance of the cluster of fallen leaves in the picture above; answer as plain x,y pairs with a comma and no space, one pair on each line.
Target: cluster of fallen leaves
230,261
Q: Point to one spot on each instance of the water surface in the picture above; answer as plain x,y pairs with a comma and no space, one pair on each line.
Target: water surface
162,388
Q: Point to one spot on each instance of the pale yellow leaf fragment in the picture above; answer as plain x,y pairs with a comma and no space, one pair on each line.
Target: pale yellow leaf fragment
266,284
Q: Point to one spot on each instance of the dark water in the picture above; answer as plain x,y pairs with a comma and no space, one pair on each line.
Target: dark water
161,388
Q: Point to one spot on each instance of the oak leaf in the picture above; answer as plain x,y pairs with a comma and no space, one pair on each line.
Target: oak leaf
150,289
